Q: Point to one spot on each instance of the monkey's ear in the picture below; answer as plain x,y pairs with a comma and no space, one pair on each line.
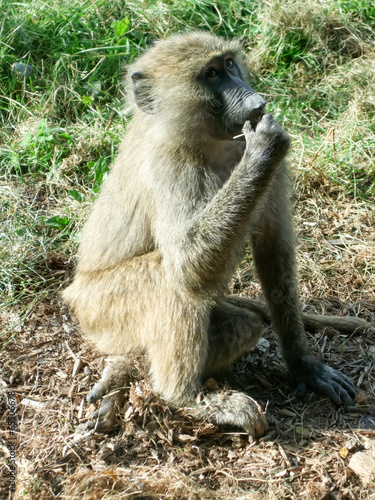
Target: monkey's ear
142,92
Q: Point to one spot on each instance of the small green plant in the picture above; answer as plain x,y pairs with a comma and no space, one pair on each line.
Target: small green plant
38,151
57,222
99,170
75,195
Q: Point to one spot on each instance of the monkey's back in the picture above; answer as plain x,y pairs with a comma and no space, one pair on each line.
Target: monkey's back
118,227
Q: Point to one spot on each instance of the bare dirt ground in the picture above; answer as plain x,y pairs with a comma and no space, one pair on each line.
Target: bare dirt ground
314,449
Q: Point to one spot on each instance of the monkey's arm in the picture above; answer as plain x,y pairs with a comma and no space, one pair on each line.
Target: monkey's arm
321,373
202,238
274,257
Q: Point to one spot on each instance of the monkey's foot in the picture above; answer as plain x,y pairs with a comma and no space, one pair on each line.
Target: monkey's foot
105,419
112,387
233,408
115,375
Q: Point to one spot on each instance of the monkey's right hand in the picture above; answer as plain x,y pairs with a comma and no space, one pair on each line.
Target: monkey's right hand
268,143
321,378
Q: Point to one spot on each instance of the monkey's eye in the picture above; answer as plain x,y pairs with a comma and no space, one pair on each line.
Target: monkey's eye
229,63
211,73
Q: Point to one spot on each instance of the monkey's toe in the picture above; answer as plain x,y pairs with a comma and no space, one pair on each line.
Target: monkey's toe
233,408
105,419
256,425
97,392
249,415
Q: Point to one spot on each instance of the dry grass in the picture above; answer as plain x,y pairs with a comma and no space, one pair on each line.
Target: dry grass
159,452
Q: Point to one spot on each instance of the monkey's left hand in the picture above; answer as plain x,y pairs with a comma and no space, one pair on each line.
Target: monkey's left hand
325,380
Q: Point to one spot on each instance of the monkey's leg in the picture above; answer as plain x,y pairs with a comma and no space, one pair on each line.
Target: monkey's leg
136,307
186,348
233,331
274,257
178,349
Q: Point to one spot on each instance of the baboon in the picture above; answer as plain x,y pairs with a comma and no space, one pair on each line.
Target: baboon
182,201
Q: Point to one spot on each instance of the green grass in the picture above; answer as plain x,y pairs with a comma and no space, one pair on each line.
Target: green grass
61,126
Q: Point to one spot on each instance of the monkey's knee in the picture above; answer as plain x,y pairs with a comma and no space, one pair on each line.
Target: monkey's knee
232,408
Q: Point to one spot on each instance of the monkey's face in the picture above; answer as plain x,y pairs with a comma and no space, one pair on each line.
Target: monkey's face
195,86
234,101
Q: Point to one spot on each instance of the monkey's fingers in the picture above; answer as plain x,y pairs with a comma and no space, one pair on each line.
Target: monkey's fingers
248,130
345,382
97,392
301,390
335,392
334,384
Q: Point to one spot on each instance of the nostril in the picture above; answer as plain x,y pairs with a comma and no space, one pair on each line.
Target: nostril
257,112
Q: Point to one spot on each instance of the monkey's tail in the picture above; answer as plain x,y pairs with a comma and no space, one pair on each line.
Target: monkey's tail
344,324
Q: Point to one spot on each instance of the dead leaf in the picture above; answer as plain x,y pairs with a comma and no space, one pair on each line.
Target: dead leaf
344,452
